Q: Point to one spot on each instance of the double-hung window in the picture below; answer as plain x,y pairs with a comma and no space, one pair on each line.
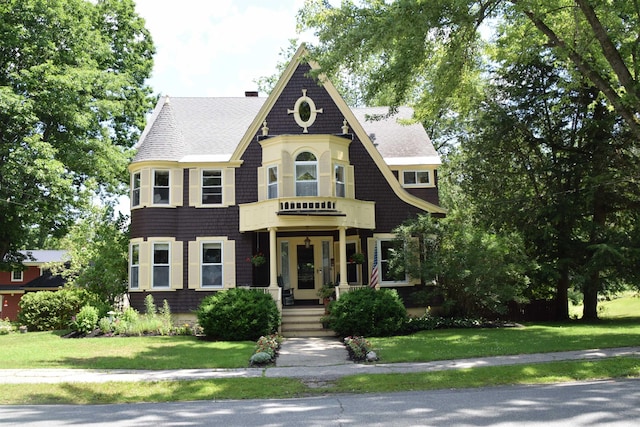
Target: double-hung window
134,267
17,276
272,182
161,266
340,184
306,174
135,189
211,265
416,178
161,187
386,249
211,187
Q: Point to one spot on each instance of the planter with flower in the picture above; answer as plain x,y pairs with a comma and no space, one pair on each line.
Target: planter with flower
257,260
357,258
326,293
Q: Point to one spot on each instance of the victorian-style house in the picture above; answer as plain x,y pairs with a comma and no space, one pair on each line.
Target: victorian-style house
287,193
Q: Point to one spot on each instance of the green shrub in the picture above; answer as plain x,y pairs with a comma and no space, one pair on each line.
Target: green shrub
86,320
367,312
5,327
105,325
47,310
238,315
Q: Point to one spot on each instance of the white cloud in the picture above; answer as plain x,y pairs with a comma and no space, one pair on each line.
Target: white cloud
216,48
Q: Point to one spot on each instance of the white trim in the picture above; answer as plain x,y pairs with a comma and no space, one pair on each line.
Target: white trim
220,243
153,264
13,279
411,161
132,265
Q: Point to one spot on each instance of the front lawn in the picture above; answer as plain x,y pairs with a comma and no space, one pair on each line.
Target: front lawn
446,344
49,350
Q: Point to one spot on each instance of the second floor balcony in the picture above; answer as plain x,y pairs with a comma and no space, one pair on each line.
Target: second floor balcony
295,212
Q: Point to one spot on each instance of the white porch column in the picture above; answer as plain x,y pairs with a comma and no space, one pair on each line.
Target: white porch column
273,259
343,285
274,290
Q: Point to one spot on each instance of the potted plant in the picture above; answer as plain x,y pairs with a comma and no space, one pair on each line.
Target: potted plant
357,258
258,259
326,293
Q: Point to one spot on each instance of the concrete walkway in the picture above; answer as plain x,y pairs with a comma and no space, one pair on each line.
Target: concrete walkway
310,359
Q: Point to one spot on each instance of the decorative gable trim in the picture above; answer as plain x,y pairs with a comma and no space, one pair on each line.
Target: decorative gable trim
258,123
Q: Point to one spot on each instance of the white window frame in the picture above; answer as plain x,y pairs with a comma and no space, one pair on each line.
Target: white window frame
17,279
135,189
415,182
204,263
340,186
166,188
384,267
272,185
304,164
203,186
134,266
154,265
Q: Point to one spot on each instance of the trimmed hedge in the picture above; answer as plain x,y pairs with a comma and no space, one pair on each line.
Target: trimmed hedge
367,312
238,315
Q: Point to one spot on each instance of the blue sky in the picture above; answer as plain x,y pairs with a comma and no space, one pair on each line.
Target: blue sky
217,47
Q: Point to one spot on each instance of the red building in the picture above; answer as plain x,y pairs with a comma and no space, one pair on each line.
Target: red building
36,277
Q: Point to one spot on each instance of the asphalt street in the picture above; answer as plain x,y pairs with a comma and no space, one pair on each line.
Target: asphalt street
596,403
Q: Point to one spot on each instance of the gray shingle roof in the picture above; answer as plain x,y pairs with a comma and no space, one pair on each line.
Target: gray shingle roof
209,129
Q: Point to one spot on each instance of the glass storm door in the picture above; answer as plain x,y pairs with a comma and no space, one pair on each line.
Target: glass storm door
306,268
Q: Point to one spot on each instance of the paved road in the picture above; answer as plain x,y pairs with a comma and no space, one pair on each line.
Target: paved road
613,403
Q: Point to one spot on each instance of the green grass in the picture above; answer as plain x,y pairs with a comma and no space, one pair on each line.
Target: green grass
624,305
276,388
491,376
446,344
49,350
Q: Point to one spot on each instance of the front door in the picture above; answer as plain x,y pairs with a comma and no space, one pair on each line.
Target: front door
306,267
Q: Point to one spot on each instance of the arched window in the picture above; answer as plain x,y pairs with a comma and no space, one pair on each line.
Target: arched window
306,174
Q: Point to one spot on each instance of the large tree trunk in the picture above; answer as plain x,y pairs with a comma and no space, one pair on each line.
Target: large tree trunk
590,297
562,294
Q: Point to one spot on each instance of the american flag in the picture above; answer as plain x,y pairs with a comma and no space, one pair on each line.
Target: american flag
375,270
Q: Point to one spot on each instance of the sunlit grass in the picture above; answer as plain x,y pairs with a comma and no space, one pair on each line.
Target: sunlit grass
157,391
263,388
446,344
49,350
491,376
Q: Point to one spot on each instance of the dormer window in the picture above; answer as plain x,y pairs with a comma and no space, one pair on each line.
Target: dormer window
306,174
416,178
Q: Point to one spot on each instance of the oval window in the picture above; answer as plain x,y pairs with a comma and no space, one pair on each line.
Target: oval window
304,111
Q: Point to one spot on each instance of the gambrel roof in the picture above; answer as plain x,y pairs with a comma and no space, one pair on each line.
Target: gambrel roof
209,129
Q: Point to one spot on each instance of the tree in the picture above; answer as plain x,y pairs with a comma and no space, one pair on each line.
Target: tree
429,53
550,161
479,273
98,254
73,101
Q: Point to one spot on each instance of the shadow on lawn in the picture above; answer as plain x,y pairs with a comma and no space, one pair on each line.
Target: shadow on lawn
446,344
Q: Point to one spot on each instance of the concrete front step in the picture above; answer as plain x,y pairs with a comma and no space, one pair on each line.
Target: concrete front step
304,322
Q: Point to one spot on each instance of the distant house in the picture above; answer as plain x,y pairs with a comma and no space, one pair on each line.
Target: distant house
36,277
297,179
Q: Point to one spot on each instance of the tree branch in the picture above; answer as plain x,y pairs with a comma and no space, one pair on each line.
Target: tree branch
610,52
586,70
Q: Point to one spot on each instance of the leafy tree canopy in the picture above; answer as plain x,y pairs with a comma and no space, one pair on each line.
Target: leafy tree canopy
73,100
429,53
